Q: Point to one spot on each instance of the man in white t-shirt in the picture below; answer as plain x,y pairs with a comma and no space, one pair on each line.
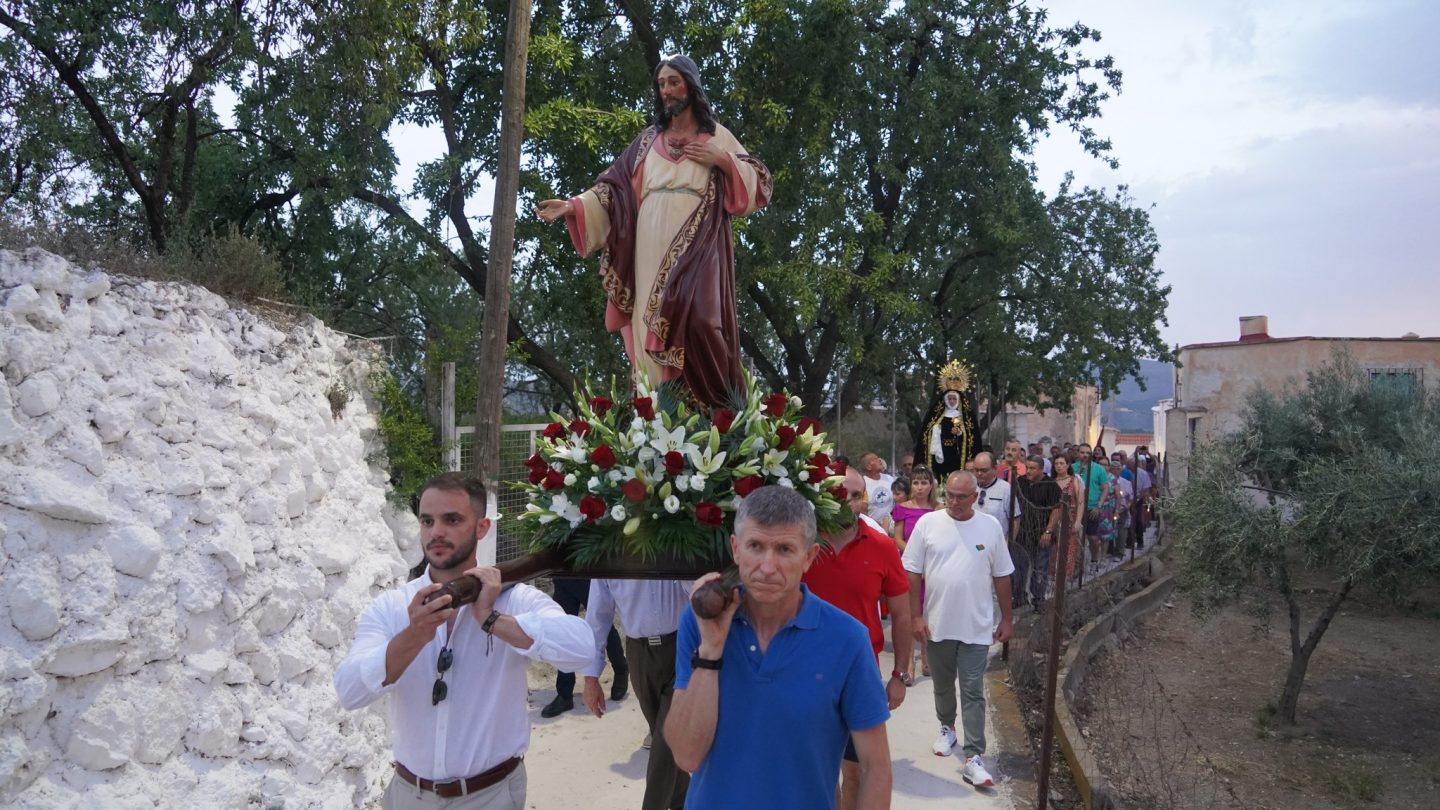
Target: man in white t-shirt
962,555
877,489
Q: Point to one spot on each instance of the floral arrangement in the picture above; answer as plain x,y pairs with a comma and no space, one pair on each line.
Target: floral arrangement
649,475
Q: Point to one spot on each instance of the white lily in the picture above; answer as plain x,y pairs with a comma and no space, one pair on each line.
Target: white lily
565,510
773,463
593,484
669,441
707,461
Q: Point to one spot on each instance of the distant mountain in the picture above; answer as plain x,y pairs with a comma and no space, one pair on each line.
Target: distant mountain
1129,408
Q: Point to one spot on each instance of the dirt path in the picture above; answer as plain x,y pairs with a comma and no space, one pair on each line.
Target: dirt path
1178,715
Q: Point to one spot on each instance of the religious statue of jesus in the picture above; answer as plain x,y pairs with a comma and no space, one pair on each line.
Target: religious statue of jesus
662,214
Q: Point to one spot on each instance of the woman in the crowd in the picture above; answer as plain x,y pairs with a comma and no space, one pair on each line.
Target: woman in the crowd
1072,491
907,512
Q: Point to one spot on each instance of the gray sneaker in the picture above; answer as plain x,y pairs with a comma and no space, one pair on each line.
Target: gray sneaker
975,772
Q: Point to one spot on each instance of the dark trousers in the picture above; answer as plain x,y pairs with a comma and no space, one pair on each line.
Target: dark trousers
1020,580
652,676
571,595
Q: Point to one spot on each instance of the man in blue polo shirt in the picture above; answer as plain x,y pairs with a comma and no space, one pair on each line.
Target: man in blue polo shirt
767,693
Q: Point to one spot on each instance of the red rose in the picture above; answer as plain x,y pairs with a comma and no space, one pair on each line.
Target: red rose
645,407
634,489
775,404
592,508
536,476
748,484
819,462
554,430
579,427
603,456
839,467
786,435
601,405
809,423
674,462
840,493
708,514
535,462
722,419
554,480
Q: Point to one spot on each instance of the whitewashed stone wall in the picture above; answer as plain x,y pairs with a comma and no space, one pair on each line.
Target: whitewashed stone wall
187,536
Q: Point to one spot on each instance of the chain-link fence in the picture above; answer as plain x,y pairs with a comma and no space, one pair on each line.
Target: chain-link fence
517,443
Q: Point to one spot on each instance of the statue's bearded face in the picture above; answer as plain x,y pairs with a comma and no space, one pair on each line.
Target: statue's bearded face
674,94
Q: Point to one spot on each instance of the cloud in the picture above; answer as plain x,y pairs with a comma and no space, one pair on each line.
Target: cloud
1289,151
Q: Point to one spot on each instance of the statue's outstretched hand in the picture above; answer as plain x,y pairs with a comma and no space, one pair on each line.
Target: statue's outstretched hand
551,210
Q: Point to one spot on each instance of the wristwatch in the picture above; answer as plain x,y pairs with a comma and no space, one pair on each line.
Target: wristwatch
696,662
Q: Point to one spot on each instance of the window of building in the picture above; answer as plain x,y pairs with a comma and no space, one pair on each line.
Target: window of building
1407,378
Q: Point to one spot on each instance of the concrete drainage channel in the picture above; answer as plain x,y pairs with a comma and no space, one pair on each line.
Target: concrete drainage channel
1117,600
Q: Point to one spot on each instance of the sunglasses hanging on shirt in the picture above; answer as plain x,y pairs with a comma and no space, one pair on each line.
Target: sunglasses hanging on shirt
439,691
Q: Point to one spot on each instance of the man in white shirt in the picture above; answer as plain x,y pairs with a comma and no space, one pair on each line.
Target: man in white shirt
458,713
877,489
650,611
993,494
962,555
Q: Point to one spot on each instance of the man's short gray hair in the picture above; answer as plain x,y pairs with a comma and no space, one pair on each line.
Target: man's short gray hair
963,475
775,505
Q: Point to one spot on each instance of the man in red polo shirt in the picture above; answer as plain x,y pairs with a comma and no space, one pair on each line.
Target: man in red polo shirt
857,568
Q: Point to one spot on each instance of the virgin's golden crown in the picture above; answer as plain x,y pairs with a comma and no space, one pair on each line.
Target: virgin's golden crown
953,376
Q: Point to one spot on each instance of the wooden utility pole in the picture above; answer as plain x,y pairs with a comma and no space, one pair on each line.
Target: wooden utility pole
502,249
1052,665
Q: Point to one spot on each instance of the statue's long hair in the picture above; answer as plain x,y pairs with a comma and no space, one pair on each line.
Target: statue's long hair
699,102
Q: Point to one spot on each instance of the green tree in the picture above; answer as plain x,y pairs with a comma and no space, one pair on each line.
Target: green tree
108,106
1338,479
906,227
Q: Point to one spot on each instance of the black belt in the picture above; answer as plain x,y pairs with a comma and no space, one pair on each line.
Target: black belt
460,787
655,641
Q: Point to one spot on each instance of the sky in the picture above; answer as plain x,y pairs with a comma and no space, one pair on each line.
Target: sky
1290,150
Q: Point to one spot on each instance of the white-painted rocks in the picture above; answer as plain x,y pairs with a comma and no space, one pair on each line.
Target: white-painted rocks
187,537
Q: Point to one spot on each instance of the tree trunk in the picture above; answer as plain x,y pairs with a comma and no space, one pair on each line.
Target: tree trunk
1300,653
502,250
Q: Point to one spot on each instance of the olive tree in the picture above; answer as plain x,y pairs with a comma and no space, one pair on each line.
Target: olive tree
1337,479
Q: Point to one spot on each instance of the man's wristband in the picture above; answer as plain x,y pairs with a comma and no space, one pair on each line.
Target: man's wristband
489,624
898,674
696,662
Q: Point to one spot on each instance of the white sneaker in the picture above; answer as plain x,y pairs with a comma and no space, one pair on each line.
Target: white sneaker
975,772
945,742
